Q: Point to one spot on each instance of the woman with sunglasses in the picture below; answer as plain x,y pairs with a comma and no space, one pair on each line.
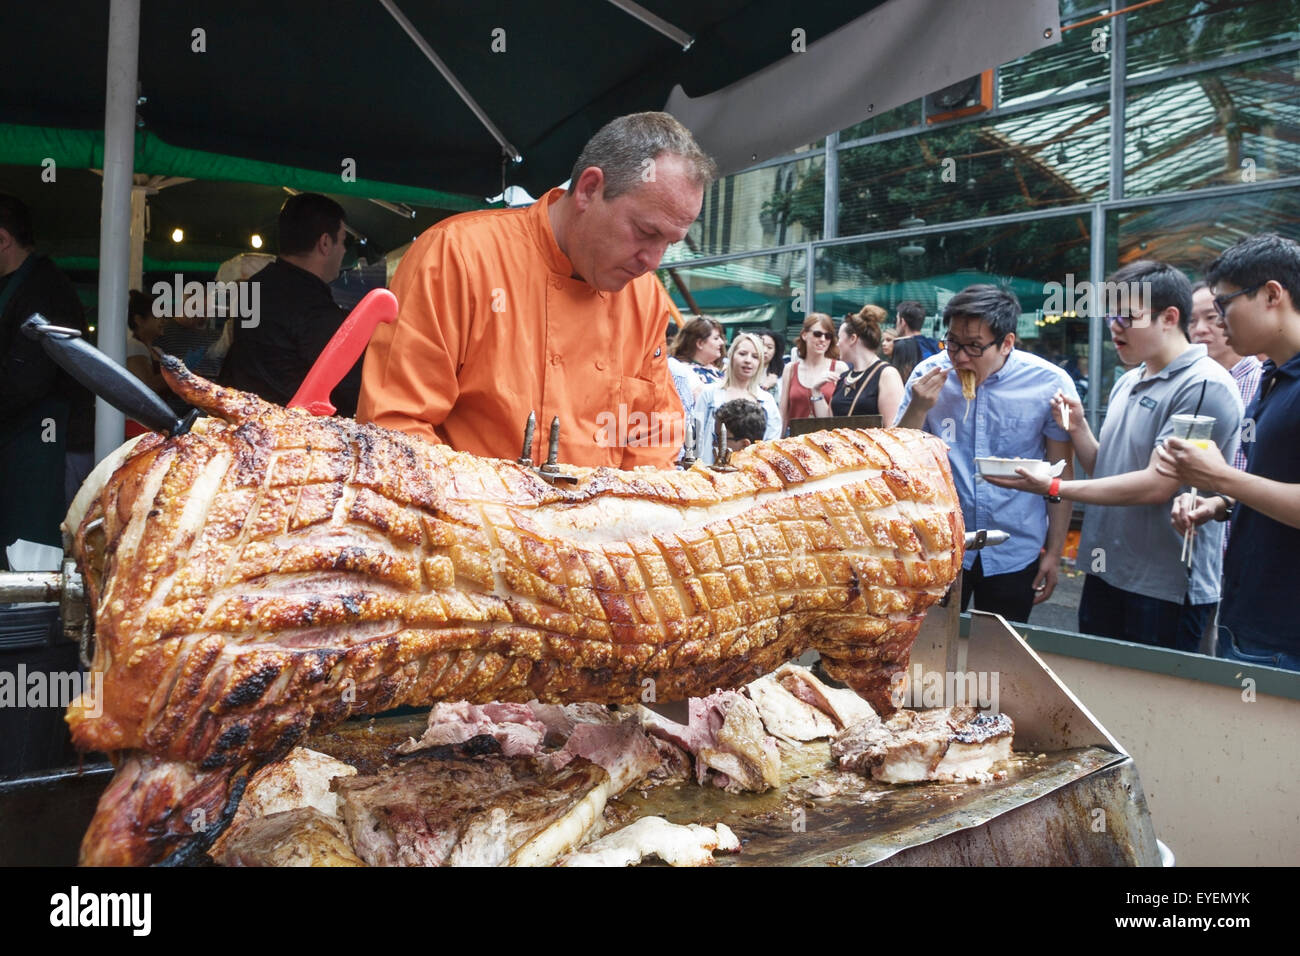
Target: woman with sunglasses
809,381
742,380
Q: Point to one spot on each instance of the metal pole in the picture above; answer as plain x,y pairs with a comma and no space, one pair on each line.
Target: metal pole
1097,268
831,192
115,218
1118,67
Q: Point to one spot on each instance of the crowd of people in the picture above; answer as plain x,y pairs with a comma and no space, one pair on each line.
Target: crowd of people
1226,351
556,309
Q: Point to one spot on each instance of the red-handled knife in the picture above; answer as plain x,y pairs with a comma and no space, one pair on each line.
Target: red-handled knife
343,350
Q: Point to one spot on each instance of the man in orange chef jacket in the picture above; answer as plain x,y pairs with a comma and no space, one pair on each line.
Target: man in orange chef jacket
553,308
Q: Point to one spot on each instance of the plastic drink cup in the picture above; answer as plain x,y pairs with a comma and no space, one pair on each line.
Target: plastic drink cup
1197,429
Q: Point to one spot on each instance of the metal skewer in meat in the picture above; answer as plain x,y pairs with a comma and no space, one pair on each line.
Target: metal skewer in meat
272,573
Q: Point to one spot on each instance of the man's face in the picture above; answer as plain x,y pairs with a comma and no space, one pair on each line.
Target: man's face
1143,339
1204,327
612,242
336,253
976,333
1248,329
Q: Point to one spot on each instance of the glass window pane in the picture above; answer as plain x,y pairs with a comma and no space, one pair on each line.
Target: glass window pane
754,292
900,117
1222,127
1056,156
1079,61
773,206
1178,32
1191,234
1040,261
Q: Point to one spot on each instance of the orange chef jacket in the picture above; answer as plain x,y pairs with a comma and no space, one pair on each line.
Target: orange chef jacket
491,324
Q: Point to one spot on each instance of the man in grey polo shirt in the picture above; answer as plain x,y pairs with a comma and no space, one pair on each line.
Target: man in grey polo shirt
1137,588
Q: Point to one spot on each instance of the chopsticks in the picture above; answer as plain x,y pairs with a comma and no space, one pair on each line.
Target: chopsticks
1187,535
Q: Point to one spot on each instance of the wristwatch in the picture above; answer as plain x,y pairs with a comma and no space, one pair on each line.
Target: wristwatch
1227,508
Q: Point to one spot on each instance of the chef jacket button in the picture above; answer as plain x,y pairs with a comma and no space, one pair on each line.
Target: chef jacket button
600,364
557,282
555,360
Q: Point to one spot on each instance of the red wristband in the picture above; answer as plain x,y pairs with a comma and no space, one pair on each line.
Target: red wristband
1054,489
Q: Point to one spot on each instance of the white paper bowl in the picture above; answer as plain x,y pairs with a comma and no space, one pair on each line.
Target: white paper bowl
1006,467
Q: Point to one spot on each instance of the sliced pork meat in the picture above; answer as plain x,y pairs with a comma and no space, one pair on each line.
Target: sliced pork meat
725,738
301,779
948,744
303,836
562,718
732,748
786,716
489,811
624,751
676,845
514,726
840,704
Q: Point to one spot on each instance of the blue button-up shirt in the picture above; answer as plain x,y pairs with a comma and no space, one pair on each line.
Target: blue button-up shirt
1010,417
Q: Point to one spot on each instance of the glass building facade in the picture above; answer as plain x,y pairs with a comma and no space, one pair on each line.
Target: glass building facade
1168,132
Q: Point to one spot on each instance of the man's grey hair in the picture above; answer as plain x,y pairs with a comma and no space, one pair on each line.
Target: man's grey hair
622,147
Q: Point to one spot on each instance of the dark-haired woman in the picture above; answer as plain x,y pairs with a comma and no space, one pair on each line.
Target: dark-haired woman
695,353
773,361
871,386
907,353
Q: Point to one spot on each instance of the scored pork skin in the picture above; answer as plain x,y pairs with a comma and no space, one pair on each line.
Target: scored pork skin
277,572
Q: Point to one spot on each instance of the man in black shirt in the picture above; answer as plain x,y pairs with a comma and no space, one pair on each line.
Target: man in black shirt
296,315
36,396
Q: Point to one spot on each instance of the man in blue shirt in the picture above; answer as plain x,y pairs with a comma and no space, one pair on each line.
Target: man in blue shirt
1256,285
1138,588
1009,417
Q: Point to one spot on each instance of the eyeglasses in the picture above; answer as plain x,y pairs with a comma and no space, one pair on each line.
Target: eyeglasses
974,349
1221,301
815,333
1123,321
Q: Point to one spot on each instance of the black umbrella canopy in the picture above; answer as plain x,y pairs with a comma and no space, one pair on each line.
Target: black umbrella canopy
316,85
218,219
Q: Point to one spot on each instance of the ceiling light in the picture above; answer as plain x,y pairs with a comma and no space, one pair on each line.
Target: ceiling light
255,241
178,234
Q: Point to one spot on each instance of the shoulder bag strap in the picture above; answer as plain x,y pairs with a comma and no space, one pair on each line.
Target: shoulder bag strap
875,371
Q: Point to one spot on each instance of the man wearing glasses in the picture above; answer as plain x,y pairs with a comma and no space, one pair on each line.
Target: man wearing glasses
1009,417
1257,288
1138,588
